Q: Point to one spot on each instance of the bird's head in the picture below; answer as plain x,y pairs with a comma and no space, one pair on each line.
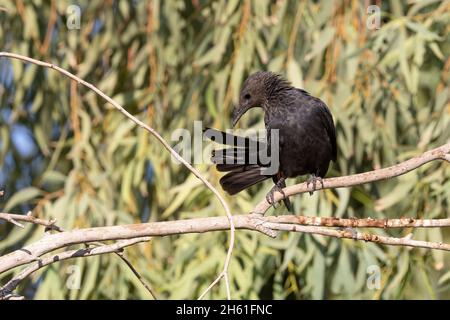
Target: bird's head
256,91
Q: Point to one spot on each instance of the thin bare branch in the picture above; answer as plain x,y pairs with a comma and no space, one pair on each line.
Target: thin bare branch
13,218
12,296
353,234
149,129
11,285
219,277
137,274
406,222
447,157
256,222
440,153
50,225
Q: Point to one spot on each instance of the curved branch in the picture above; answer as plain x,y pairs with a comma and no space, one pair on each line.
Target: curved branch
441,153
11,285
14,218
50,225
256,222
153,132
136,273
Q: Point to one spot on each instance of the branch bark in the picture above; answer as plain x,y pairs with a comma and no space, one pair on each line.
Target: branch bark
14,218
156,135
406,222
440,153
253,222
11,285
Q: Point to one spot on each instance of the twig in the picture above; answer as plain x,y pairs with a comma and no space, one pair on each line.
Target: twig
121,255
13,218
441,153
50,225
137,274
11,285
149,129
447,157
257,222
221,275
353,234
12,296
406,222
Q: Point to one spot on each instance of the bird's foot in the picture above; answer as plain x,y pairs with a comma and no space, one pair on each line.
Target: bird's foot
270,196
313,180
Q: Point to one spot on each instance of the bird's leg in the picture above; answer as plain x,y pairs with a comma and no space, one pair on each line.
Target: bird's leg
278,187
313,180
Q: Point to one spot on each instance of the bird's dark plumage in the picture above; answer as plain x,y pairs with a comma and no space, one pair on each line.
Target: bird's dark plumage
307,138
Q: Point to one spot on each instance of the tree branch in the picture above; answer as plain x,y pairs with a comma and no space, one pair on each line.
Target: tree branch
136,273
50,225
353,234
14,218
253,222
441,153
406,222
11,285
154,133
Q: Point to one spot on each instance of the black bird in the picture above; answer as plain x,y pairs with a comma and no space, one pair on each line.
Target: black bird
307,137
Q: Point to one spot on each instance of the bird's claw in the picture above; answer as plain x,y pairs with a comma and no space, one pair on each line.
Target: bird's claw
270,196
313,180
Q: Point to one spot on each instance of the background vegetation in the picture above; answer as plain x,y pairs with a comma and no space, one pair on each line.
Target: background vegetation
66,154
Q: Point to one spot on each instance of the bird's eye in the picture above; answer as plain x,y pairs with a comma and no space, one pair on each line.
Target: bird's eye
247,96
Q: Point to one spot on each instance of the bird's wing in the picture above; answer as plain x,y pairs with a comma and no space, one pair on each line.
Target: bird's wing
327,121
276,123
324,115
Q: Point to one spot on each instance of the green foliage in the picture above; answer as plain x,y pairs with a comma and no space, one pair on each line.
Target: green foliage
173,62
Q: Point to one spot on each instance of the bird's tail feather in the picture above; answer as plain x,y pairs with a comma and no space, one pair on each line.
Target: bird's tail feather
231,159
240,160
241,177
230,139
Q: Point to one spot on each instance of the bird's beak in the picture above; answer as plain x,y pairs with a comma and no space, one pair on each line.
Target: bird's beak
238,112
